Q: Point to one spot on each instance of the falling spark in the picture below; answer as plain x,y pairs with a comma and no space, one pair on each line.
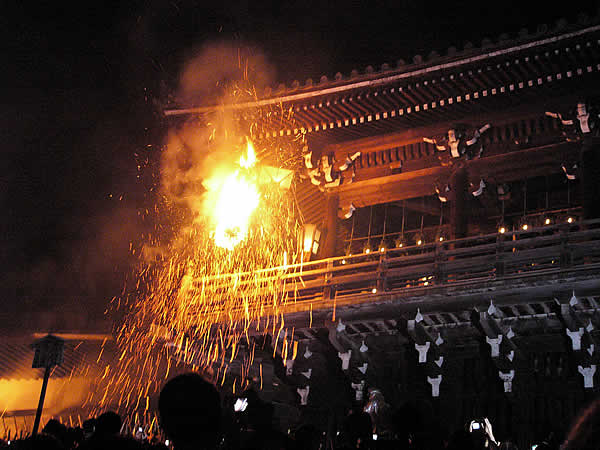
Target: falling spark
220,281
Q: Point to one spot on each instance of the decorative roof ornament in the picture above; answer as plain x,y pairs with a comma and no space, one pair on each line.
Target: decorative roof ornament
507,378
418,316
303,395
456,142
345,357
575,338
491,309
590,326
422,349
573,301
435,385
477,192
588,375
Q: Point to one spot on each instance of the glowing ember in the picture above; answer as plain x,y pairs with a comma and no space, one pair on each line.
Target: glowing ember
236,199
197,306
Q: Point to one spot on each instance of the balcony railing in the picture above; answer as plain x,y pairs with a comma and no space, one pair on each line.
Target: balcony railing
539,252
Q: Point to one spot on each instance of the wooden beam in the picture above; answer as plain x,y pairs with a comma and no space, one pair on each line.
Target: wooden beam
504,168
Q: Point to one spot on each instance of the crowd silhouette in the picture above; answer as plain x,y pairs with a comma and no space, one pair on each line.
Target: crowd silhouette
192,418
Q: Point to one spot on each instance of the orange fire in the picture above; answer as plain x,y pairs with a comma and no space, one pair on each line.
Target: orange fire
198,302
235,197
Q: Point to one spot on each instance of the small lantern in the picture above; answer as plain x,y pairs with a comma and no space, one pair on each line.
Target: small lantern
49,352
419,239
348,254
312,236
399,242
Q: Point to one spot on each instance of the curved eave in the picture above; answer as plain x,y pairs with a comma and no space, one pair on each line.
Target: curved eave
480,56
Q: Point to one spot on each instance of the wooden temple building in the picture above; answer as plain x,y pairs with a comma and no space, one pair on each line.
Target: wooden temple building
457,254
453,270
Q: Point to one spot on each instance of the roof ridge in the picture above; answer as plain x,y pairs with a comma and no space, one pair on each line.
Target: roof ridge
434,61
503,39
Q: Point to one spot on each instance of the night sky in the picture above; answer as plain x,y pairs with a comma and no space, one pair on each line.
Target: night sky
81,111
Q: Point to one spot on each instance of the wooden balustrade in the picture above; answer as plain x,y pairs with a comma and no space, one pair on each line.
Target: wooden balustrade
538,252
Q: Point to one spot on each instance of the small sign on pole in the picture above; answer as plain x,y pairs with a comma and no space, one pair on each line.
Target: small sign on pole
49,352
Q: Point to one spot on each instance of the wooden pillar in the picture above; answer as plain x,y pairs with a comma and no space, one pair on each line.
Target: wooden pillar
331,219
458,202
591,180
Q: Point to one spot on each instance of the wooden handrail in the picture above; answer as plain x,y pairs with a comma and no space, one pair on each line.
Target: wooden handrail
511,255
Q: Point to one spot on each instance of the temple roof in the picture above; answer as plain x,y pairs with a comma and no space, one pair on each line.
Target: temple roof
496,75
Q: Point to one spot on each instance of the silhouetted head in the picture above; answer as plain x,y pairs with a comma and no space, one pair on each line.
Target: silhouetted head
308,437
190,412
55,428
108,423
41,441
89,426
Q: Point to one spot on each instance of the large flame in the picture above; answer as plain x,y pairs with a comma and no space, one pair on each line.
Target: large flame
196,305
235,198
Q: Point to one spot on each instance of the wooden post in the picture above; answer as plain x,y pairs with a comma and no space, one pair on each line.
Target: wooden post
458,216
49,352
591,176
499,255
328,249
439,264
38,414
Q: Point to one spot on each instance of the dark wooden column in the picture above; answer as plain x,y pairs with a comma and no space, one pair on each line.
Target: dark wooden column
331,219
458,203
591,179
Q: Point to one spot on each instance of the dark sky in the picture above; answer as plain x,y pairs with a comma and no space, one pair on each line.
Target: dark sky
80,109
